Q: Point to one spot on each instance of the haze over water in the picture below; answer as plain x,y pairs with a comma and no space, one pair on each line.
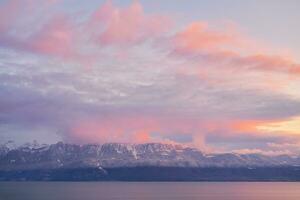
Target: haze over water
149,191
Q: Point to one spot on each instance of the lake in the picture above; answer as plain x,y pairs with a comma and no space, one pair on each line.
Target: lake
149,191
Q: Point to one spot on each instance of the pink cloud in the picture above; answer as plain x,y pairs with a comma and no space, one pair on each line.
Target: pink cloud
55,38
196,37
270,63
141,128
115,128
63,36
123,26
52,37
228,49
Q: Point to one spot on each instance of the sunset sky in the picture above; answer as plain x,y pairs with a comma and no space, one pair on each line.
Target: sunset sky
222,76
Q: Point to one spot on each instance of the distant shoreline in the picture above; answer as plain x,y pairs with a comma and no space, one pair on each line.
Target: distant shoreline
156,174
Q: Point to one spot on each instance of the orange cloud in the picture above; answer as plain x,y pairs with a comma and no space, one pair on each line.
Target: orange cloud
287,126
142,136
246,125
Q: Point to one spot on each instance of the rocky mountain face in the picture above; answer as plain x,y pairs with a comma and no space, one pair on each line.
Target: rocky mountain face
114,155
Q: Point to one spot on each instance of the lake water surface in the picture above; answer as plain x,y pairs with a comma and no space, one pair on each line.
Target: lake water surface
148,191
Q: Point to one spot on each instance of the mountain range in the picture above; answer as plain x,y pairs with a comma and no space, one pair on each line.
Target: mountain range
63,161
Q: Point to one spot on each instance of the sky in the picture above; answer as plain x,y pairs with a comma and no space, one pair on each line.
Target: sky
222,76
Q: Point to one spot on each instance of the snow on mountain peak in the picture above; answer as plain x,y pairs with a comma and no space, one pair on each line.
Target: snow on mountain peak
9,145
33,155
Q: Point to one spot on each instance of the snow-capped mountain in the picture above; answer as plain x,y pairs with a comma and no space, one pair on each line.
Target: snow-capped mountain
110,155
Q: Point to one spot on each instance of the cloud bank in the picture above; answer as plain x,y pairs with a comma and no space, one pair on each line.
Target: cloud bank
119,74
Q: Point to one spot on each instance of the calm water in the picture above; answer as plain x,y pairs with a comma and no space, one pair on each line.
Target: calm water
148,191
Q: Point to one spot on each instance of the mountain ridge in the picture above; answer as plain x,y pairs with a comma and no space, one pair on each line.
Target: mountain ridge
110,155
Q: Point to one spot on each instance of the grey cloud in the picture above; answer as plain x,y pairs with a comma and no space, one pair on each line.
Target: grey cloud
56,96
